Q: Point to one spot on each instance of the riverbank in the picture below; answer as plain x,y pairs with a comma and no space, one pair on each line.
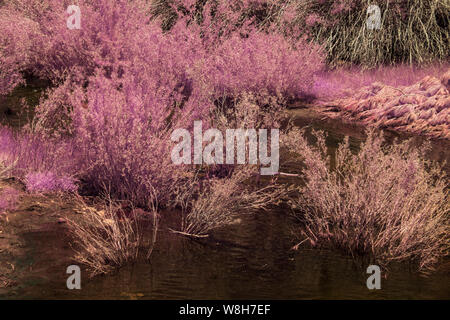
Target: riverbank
35,250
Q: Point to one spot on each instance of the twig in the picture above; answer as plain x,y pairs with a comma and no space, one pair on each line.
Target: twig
288,174
200,236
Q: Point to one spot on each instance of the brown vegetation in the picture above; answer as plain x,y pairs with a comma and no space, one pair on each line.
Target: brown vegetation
384,201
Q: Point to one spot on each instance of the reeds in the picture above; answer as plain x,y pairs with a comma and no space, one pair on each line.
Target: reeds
108,238
222,200
414,31
384,201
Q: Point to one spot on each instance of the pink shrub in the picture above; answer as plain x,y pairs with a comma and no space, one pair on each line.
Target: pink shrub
263,62
122,142
51,50
121,85
27,152
48,182
111,32
17,42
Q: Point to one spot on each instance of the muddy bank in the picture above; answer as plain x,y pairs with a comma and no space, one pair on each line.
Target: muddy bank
37,215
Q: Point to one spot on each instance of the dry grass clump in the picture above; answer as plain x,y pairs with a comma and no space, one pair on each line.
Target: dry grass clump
6,169
3,171
414,31
384,201
107,239
223,192
222,200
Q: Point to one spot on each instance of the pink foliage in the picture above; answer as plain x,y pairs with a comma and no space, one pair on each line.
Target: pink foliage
264,62
30,152
121,85
17,42
49,182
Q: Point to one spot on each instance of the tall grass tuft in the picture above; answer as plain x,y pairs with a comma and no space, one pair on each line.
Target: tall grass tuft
222,200
108,238
414,31
384,201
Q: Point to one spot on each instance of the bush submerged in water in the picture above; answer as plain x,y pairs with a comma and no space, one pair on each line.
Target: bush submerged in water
382,201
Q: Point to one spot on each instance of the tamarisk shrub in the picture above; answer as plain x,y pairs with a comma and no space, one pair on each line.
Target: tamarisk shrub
383,201
26,153
263,61
48,49
121,86
17,42
48,182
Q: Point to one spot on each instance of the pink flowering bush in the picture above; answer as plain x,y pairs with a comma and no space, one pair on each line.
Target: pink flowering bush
111,31
26,152
17,42
44,182
53,51
263,62
121,85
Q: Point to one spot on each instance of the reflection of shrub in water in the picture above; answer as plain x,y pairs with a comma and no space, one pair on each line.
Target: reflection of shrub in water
384,201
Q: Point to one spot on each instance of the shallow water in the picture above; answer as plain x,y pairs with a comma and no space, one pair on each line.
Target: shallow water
255,262
251,260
